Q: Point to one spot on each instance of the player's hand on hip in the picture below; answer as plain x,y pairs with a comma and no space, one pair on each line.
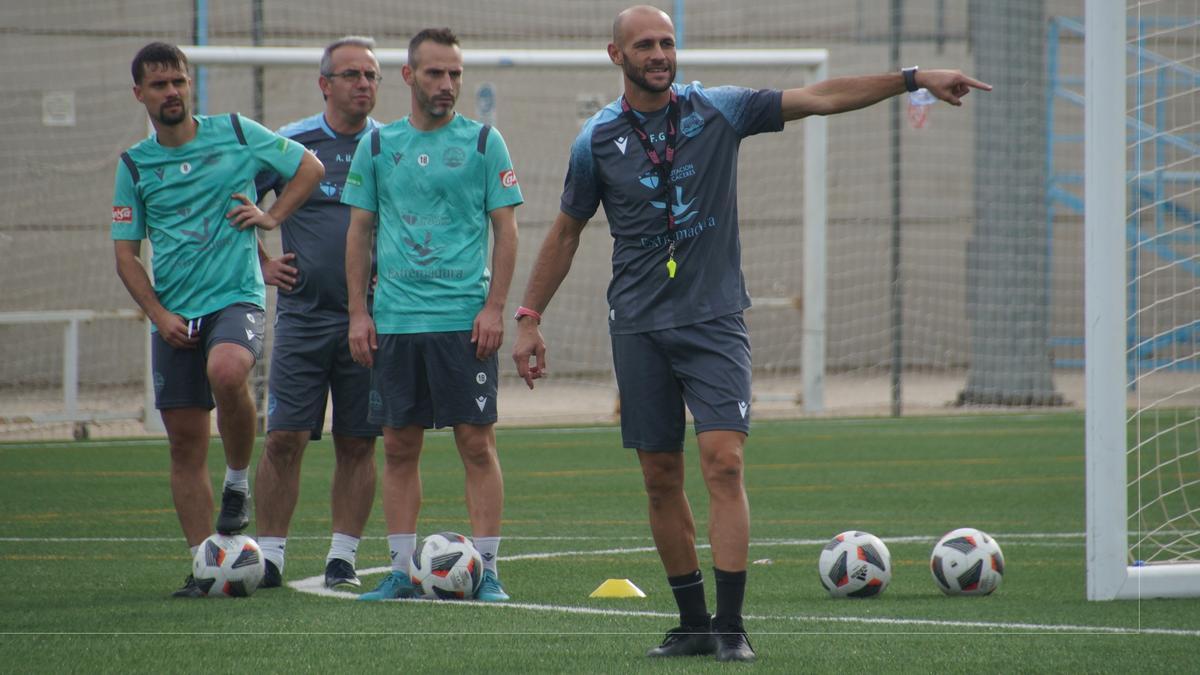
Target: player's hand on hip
277,272
530,344
249,215
487,332
363,341
949,85
176,331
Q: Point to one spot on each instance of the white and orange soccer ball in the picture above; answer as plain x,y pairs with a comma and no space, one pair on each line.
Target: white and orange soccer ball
228,566
967,561
855,565
446,566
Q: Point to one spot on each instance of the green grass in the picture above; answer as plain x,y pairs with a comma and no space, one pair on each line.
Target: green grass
98,606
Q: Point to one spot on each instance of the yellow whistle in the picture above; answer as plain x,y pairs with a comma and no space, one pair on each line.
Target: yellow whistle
671,268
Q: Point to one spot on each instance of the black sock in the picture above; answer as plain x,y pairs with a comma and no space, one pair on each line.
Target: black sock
731,590
689,595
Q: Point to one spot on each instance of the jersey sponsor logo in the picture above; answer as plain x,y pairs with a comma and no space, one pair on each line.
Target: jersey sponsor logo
423,159
424,253
679,209
281,145
622,142
692,125
183,211
742,408
212,158
508,178
122,214
353,179
454,157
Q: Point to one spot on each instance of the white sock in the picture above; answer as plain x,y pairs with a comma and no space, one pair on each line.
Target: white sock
273,549
401,547
343,546
238,479
488,547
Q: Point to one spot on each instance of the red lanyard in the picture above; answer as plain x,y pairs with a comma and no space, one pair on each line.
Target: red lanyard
661,165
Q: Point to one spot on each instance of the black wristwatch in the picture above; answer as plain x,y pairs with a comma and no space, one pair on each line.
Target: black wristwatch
910,78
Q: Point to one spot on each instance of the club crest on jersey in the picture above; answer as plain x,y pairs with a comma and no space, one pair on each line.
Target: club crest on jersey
622,142
454,157
649,179
328,188
508,178
122,214
692,125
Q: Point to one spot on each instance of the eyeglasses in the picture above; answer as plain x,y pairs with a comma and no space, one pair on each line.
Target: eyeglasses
353,75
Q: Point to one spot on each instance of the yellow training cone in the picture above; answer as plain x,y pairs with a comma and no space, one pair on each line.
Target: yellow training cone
617,588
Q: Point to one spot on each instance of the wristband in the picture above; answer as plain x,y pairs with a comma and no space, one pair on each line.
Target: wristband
525,311
910,78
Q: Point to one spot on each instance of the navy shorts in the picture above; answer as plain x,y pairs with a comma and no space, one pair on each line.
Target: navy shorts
432,380
305,369
181,375
705,366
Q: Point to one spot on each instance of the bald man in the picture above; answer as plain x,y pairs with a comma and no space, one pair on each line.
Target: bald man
662,159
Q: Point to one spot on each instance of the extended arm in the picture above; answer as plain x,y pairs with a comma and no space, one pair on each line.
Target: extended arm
843,94
551,267
488,331
358,269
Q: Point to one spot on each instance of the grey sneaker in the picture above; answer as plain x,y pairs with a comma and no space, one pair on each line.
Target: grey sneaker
340,573
235,511
686,641
190,589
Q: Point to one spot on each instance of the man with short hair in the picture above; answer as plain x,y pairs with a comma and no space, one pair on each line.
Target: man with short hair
189,188
433,180
310,358
663,161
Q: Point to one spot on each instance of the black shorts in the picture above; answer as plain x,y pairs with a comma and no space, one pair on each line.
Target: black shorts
432,380
305,369
181,375
705,366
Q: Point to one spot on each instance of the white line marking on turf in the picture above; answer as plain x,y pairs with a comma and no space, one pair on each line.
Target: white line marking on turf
316,586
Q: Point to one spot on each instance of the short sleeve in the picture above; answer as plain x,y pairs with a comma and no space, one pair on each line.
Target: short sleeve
274,152
581,190
360,188
749,111
128,216
502,187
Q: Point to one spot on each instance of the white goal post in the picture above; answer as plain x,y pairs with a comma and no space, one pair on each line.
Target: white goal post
1129,556
814,61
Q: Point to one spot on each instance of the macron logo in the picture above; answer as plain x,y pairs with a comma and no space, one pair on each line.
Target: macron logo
743,407
621,143
481,402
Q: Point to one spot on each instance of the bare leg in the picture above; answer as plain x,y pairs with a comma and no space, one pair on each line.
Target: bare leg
277,482
353,491
671,520
191,489
228,369
484,481
402,478
728,508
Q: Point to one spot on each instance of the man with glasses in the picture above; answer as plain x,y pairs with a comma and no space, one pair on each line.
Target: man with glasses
434,180
311,357
189,189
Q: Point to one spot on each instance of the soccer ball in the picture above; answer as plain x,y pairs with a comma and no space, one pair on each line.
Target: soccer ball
967,562
446,566
228,566
855,565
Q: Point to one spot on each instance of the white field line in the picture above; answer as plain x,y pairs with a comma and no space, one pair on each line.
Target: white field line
316,586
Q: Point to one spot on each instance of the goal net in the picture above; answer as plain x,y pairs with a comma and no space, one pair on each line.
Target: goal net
1143,342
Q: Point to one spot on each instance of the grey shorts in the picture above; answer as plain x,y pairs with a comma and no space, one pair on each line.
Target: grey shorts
432,380
305,369
705,366
181,375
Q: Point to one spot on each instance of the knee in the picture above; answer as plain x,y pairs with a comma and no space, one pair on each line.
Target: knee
661,482
724,471
477,455
401,453
353,453
283,449
226,378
